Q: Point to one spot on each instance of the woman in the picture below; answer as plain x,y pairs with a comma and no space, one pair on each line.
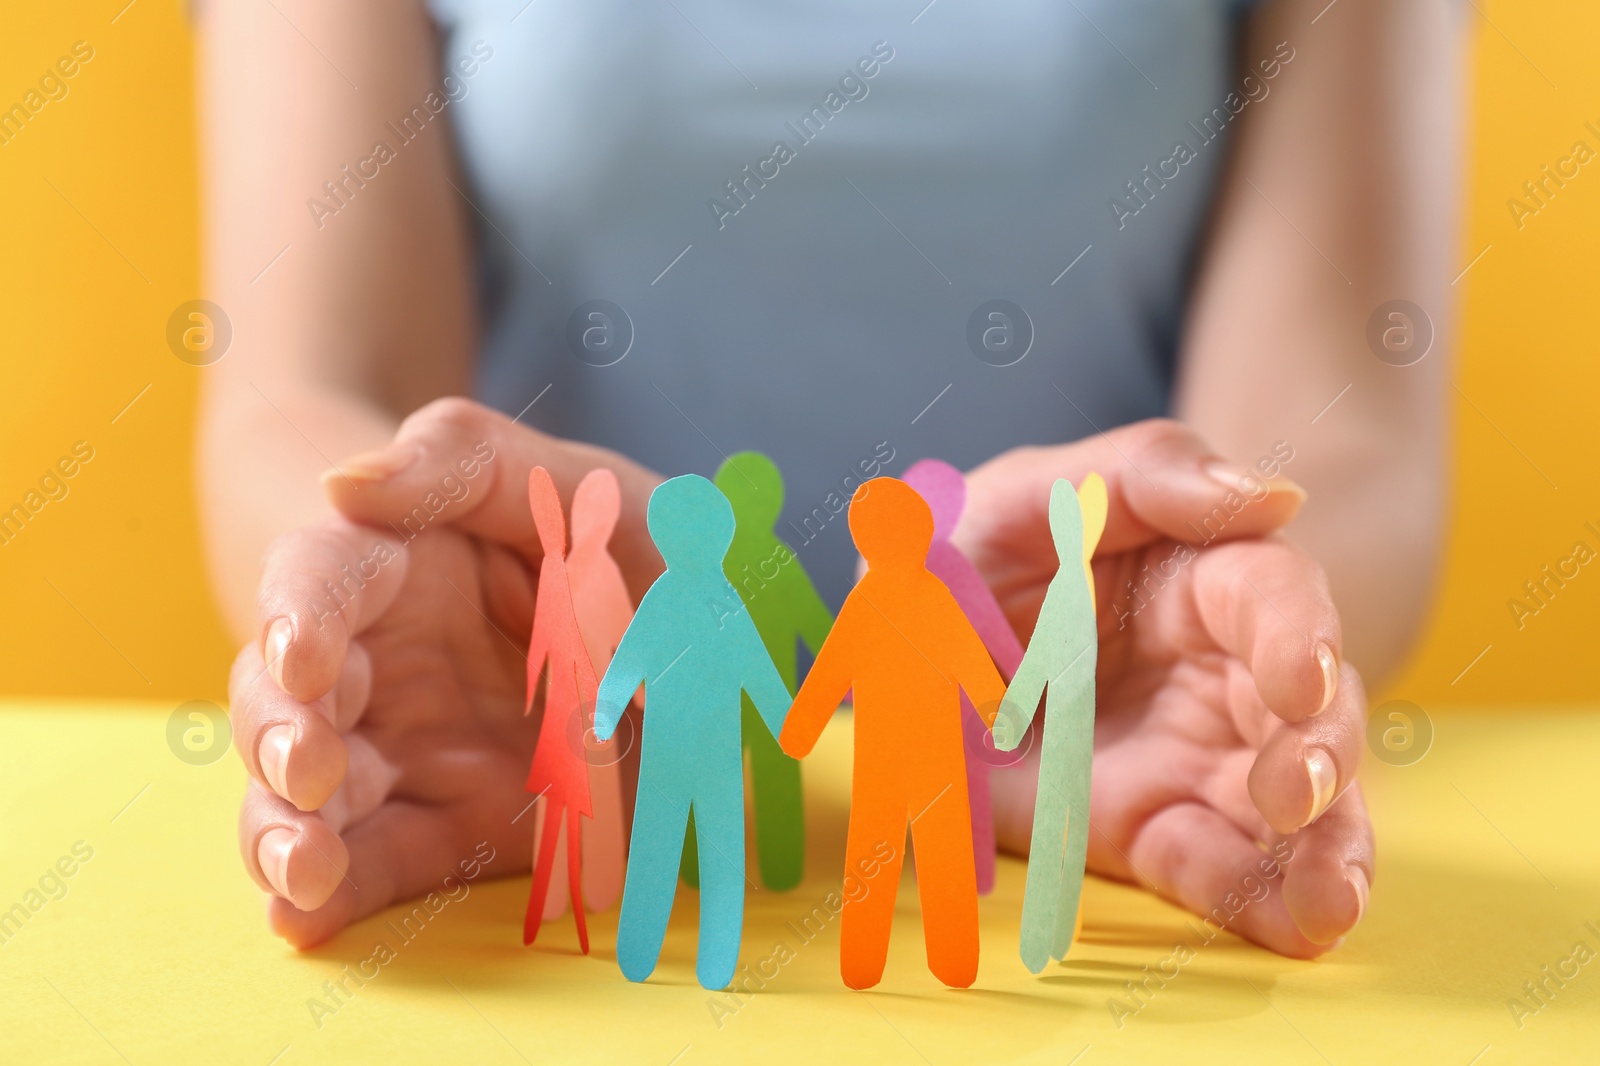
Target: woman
1188,207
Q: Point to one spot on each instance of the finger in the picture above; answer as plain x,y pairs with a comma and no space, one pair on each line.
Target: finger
353,689
1226,790
319,588
459,463
292,854
1195,857
1328,882
1267,604
1162,481
1304,766
289,747
367,784
402,852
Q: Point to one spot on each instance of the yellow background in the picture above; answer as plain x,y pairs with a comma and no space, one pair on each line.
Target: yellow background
158,951
104,592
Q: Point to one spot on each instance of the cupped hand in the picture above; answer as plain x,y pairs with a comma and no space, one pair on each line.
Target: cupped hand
1227,730
380,710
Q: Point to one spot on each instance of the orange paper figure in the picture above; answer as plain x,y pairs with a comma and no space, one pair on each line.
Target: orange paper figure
905,648
600,596
560,773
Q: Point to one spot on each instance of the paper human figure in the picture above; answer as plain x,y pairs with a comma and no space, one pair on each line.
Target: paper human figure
1059,665
694,648
945,489
786,608
902,645
560,773
600,596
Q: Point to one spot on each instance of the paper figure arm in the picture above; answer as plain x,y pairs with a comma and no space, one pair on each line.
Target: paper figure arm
759,677
825,686
813,620
970,664
538,652
1020,704
588,683
630,665
984,612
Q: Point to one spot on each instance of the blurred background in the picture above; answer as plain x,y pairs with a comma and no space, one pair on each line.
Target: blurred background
103,590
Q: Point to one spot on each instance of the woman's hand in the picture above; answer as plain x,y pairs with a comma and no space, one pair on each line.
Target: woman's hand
380,709
1225,723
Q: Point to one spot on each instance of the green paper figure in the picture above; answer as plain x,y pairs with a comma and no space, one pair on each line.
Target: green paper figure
1060,666
785,607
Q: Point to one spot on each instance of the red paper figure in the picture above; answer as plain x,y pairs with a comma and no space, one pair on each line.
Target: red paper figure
560,773
604,610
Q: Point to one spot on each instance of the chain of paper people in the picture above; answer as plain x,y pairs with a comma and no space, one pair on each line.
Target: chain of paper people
941,689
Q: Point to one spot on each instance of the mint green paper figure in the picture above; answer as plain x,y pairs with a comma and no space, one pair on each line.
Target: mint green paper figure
1060,665
694,648
785,607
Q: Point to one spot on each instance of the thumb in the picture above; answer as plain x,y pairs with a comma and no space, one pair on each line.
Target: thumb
458,463
1161,479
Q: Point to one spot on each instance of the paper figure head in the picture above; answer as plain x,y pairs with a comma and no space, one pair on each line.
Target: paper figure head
545,503
691,522
945,489
596,504
891,524
1093,501
1066,521
754,486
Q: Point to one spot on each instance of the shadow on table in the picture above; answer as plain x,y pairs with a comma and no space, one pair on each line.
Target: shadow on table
1461,925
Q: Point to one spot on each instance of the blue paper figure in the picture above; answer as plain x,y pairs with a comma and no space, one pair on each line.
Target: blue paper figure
694,648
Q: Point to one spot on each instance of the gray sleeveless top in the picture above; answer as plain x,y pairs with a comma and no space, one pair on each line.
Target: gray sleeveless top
847,234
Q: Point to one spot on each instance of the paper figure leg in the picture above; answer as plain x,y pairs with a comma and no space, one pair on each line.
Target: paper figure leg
720,821
947,884
549,833
556,900
574,871
658,825
983,848
1042,896
604,846
865,922
1072,751
779,813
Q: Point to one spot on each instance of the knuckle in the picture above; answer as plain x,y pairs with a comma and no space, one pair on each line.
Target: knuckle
1160,435
446,417
298,551
239,673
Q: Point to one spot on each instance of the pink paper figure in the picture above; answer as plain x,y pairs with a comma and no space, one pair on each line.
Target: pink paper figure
600,596
560,773
945,490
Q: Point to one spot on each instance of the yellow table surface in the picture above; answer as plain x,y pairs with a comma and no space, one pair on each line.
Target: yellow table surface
1488,870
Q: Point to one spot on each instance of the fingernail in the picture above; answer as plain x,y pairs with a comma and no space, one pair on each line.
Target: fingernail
379,465
1232,475
1330,674
1358,881
1245,481
277,645
273,855
273,754
1324,780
